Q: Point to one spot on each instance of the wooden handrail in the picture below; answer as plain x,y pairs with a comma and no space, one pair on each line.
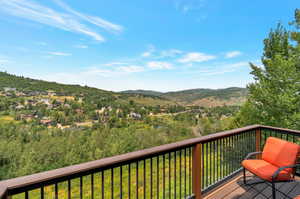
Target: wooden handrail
67,172
79,169
280,129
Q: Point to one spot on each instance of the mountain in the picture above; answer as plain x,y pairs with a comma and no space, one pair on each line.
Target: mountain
143,92
201,97
28,84
40,87
209,97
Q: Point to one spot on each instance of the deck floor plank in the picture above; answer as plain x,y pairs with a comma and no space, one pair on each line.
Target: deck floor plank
235,189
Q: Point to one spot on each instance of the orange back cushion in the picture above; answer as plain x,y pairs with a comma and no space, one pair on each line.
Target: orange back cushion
280,152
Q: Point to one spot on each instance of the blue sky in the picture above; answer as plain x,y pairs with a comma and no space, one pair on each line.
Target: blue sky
162,45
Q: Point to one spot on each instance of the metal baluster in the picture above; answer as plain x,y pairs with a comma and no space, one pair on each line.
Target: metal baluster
112,182
184,172
190,167
214,161
69,189
121,182
144,179
56,190
42,192
137,179
92,185
164,177
169,175
157,175
102,184
26,195
129,181
175,174
80,185
202,162
180,173
151,180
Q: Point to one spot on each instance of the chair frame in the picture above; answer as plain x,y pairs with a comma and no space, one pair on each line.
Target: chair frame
274,176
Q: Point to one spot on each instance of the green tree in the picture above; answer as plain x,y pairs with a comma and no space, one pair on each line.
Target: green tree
274,96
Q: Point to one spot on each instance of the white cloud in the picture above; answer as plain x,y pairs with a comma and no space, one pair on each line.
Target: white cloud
115,64
113,72
131,69
149,52
92,19
221,69
59,53
159,65
81,46
4,61
146,54
170,53
189,5
70,20
196,57
233,54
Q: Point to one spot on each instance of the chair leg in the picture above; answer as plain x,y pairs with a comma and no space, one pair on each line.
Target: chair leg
244,175
273,191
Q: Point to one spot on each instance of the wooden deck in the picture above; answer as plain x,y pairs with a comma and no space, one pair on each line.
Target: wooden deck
235,189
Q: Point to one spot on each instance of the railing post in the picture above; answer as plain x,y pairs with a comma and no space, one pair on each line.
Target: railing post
258,141
197,168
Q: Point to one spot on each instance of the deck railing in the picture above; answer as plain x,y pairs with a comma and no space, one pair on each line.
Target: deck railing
185,169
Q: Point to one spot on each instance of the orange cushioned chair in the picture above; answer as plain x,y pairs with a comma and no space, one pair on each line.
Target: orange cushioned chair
277,163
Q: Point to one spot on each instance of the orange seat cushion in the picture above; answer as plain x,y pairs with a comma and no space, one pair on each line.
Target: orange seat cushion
280,153
298,197
265,170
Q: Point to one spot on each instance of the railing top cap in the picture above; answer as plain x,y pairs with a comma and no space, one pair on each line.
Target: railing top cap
119,159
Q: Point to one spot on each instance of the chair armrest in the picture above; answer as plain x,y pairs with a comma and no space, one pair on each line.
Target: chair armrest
275,175
252,154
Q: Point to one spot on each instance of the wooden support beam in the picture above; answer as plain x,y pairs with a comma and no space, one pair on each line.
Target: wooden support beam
197,168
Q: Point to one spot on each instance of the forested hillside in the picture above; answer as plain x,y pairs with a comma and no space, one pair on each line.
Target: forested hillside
200,97
46,125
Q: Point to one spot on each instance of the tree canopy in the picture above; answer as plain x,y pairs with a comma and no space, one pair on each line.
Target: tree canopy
274,96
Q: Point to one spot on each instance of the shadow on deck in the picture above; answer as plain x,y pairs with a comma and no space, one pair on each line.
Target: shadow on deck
235,189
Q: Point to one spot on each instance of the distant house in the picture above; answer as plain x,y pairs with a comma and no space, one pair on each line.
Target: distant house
32,102
33,93
46,122
19,94
8,94
45,101
67,105
8,89
26,117
60,126
79,111
20,106
119,111
135,115
51,93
